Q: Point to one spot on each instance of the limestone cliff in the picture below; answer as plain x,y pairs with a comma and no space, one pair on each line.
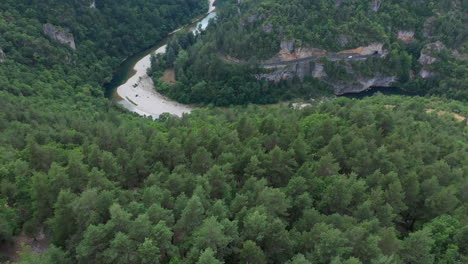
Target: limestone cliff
361,84
59,35
299,62
354,85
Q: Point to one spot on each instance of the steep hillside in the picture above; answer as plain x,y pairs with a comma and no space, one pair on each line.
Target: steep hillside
350,46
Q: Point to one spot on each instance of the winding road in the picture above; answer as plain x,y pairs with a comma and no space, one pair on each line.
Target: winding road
331,57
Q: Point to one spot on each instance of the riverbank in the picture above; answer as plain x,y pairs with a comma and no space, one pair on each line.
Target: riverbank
139,95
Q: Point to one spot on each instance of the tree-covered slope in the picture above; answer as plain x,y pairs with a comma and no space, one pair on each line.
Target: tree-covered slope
256,28
104,35
379,180
269,50
346,181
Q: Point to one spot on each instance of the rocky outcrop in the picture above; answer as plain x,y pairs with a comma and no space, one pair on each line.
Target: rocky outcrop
59,35
425,74
86,3
289,52
428,58
287,46
406,35
299,70
319,71
459,55
2,55
362,84
376,4
267,28
428,52
302,69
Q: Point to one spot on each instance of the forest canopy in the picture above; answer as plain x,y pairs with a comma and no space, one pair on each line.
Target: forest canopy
223,66
378,180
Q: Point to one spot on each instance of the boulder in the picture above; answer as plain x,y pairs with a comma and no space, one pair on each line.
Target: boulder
59,35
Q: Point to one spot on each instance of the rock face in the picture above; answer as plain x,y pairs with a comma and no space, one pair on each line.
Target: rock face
427,58
289,64
288,52
59,35
302,69
86,3
375,5
287,46
319,71
428,50
362,84
406,35
425,74
2,55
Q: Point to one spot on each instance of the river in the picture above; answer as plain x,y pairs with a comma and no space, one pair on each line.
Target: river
132,88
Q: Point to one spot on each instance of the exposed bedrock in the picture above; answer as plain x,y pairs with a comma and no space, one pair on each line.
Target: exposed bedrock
59,35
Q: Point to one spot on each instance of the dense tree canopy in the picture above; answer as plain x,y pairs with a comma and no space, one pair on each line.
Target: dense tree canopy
343,181
378,180
253,31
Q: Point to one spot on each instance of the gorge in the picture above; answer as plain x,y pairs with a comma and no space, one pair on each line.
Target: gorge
132,88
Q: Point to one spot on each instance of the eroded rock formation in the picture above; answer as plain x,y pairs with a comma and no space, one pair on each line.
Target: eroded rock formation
428,57
362,84
59,35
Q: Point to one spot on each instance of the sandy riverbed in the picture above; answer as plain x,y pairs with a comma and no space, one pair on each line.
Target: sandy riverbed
138,93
